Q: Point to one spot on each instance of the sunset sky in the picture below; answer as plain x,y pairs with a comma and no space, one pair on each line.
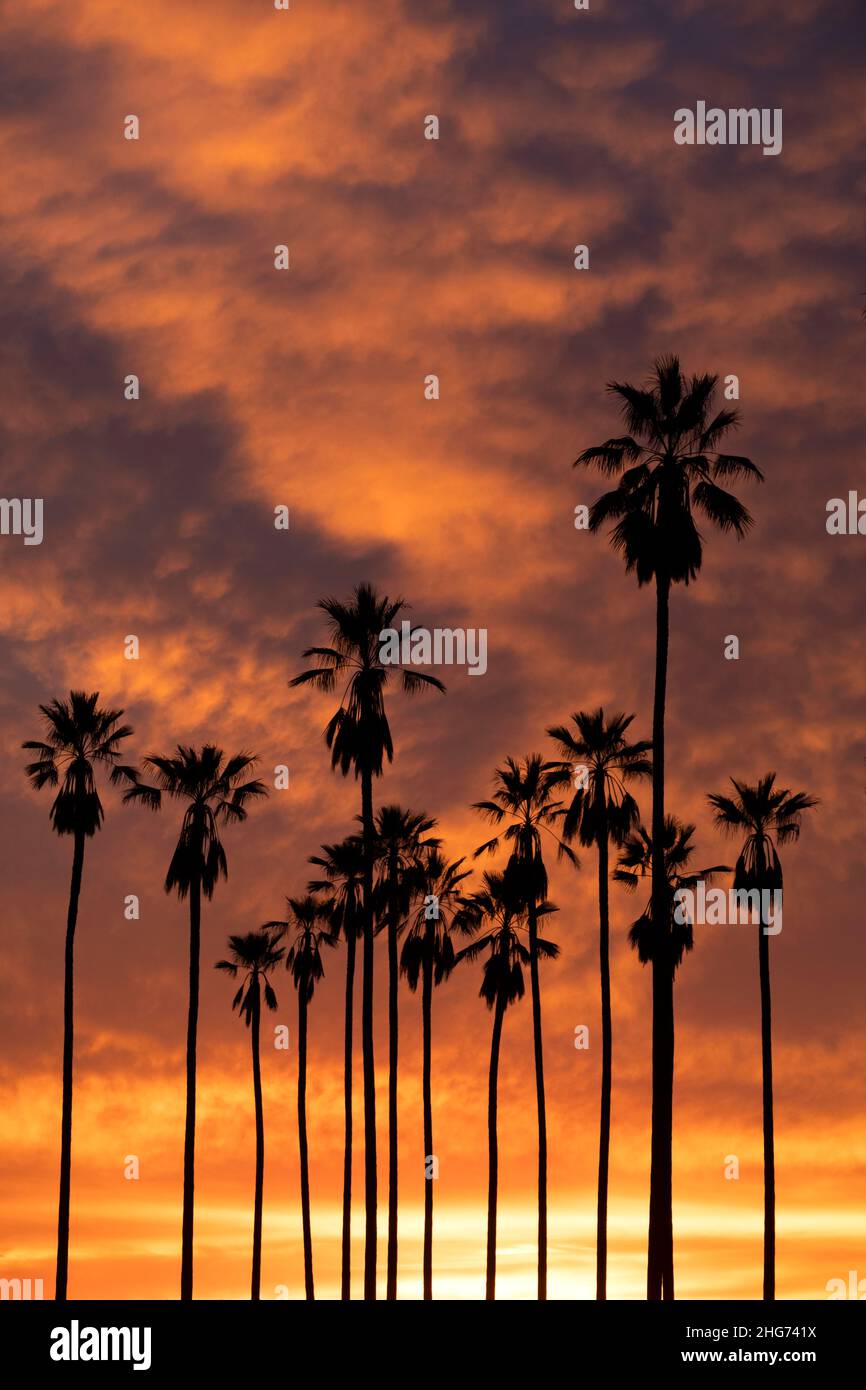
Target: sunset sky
305,388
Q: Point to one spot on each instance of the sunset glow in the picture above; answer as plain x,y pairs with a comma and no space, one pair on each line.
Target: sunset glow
305,389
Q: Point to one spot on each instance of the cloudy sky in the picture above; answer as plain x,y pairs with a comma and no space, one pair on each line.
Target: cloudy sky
305,388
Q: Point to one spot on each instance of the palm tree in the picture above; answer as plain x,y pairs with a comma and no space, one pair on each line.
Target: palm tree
342,895
257,954
665,953
602,810
215,793
501,905
399,844
635,864
79,738
766,815
359,738
523,799
428,955
670,469
304,959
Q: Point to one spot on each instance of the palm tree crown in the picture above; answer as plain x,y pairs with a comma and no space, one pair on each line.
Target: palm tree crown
443,908
500,906
217,794
670,467
308,917
602,804
402,831
341,889
79,737
401,840
524,798
767,815
635,863
256,954
358,734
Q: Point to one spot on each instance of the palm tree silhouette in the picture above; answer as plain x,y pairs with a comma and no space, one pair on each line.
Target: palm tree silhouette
304,959
79,738
602,810
256,954
359,738
341,891
428,956
523,799
765,815
670,467
399,844
215,793
502,906
635,864
665,953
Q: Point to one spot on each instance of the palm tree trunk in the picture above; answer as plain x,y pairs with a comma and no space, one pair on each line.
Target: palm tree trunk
370,1195
660,1242
68,1039
769,1146
346,1281
493,1147
393,977
302,1140
606,1066
189,1127
427,1092
255,1291
539,1097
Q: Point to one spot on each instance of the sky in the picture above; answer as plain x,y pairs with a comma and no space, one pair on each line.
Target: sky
304,388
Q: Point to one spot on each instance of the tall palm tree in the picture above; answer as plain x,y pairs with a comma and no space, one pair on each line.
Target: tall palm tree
500,907
663,952
765,815
79,739
215,791
309,920
523,801
359,738
602,810
428,956
669,466
400,842
341,892
256,954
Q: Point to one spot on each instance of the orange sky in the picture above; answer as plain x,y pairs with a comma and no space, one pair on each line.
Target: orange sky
411,257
